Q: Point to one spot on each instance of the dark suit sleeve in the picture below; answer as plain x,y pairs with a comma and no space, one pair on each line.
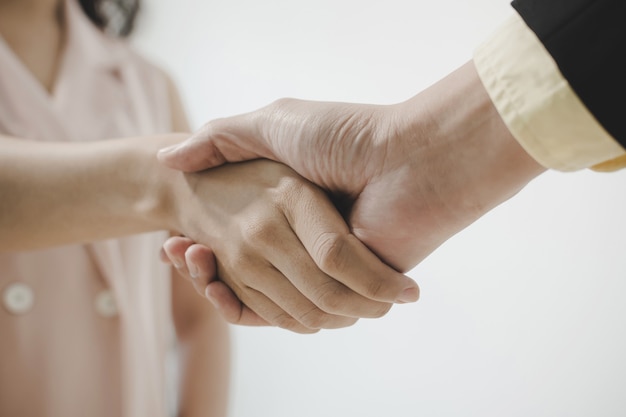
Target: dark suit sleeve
587,39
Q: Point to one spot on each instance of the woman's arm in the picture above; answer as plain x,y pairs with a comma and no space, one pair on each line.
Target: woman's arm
61,193
274,234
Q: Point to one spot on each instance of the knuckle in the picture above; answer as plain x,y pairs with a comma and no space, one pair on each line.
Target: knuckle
374,288
272,117
289,182
285,321
260,234
330,252
381,311
315,319
330,301
234,262
295,194
331,298
284,102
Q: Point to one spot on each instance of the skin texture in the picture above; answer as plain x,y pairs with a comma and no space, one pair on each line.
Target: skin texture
409,176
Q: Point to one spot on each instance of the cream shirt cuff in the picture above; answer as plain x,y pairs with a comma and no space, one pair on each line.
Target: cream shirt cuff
538,105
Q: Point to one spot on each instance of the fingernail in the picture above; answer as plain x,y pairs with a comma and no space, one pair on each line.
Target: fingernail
211,298
169,149
408,295
193,271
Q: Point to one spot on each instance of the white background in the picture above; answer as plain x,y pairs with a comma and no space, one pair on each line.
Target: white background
522,314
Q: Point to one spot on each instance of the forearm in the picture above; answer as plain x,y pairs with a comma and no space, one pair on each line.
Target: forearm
61,193
469,138
450,159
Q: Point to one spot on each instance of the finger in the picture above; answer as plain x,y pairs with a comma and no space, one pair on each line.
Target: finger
164,258
193,261
277,301
174,249
341,255
230,308
231,139
281,291
334,301
200,263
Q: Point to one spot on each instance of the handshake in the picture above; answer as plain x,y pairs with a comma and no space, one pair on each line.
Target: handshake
404,178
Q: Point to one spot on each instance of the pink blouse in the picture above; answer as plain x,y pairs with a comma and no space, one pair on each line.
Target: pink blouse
84,329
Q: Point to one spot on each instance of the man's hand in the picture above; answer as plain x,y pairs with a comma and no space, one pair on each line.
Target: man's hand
409,175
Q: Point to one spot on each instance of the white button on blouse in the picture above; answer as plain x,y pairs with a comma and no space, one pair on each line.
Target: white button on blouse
105,304
18,298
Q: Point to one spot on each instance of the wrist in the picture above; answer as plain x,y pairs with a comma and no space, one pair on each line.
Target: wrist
156,187
467,140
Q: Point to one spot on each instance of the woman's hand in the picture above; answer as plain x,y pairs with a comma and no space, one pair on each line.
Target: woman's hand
186,256
281,247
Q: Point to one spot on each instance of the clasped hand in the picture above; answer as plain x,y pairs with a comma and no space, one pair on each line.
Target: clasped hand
282,248
412,174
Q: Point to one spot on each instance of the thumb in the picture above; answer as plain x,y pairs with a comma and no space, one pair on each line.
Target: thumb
219,141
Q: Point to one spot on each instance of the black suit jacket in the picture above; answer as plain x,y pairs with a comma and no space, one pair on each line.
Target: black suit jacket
587,39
